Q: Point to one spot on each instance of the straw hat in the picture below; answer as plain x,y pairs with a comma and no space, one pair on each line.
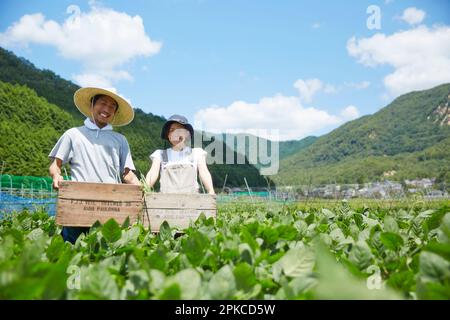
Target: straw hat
82,99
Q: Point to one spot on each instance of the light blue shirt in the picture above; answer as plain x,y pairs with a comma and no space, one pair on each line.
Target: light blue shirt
94,154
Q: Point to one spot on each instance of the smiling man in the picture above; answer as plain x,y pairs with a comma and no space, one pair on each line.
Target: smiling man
94,151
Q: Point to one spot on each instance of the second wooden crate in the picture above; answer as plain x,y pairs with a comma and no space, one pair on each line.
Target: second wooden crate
177,209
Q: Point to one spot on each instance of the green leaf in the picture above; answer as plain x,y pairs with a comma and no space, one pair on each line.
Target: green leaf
222,284
301,226
111,231
445,226
96,282
425,214
126,223
6,248
298,286
157,259
172,292
97,224
246,253
157,279
404,281
328,213
432,291
442,249
322,228
195,247
310,219
130,236
434,221
295,263
36,234
252,226
189,282
55,249
165,233
55,282
433,267
270,235
337,235
246,237
245,278
137,281
360,255
287,232
390,224
391,240
335,282
17,235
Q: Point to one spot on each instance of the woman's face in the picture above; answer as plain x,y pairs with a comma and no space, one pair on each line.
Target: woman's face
177,134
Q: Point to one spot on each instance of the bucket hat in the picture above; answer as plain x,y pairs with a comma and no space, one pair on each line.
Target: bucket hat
178,119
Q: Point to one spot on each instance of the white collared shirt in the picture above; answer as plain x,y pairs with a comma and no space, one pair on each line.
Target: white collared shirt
94,154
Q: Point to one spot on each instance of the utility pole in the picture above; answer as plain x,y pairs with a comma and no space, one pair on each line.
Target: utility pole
248,188
224,182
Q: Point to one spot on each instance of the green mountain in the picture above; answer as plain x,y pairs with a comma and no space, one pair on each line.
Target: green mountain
29,127
409,138
285,148
45,82
36,107
291,147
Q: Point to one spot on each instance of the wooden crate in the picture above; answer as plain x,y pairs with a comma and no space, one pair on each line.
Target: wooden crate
177,209
81,204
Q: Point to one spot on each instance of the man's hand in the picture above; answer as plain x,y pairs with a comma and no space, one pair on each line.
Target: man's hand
55,172
130,178
57,178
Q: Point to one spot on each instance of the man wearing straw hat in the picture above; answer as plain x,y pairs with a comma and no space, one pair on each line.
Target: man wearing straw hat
94,151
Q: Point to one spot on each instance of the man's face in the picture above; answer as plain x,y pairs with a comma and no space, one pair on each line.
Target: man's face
103,110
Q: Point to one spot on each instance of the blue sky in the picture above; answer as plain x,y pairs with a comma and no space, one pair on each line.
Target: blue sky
286,66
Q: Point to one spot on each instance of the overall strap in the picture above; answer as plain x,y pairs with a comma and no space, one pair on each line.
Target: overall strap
190,157
165,156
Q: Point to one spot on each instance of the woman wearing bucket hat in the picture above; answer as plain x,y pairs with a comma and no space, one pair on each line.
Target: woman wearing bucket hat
178,165
94,151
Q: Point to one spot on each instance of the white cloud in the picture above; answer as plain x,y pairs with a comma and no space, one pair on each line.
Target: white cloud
101,39
413,15
308,88
420,57
350,113
358,85
316,25
101,79
329,88
281,114
92,80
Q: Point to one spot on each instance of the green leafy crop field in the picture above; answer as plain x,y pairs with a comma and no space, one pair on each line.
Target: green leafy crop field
344,250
